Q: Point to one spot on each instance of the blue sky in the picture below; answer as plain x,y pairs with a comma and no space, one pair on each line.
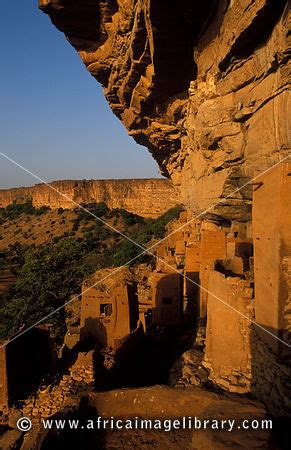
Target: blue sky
54,119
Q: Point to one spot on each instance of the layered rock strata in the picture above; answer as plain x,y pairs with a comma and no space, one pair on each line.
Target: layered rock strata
145,197
203,86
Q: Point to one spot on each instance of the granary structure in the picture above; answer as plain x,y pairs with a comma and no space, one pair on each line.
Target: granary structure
109,307
234,274
238,276
167,290
214,264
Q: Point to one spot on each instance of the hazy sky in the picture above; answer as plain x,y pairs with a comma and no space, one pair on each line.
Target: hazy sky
54,119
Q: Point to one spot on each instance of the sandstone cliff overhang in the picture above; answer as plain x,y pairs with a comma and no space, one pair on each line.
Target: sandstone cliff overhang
203,85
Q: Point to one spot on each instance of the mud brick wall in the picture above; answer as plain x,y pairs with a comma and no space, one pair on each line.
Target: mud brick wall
3,380
228,346
272,254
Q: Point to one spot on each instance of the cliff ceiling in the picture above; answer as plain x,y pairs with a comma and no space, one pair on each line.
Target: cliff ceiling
203,85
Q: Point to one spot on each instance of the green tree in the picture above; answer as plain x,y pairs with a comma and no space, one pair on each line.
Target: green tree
49,275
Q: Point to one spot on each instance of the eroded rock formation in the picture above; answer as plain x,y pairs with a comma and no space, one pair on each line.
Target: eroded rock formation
147,198
203,85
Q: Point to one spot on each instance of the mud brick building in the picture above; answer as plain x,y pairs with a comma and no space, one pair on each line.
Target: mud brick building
24,363
109,309
272,275
167,295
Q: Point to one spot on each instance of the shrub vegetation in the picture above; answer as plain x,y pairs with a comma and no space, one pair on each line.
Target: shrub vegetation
49,274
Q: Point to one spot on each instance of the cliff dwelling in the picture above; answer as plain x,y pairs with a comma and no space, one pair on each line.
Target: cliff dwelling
109,312
187,311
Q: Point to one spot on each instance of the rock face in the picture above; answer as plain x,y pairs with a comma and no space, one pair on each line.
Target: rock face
147,198
202,86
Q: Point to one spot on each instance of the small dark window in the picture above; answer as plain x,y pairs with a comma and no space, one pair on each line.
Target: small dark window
106,309
167,301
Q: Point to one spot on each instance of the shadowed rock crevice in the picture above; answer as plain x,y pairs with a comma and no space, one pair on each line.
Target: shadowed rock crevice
196,83
256,34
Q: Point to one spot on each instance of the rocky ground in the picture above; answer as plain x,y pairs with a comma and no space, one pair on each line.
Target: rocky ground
188,370
56,397
74,396
147,403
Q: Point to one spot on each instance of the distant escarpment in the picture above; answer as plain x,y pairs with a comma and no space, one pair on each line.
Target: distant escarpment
203,85
145,197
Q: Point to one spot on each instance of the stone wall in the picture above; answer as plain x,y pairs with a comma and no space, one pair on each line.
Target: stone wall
56,397
271,377
147,198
